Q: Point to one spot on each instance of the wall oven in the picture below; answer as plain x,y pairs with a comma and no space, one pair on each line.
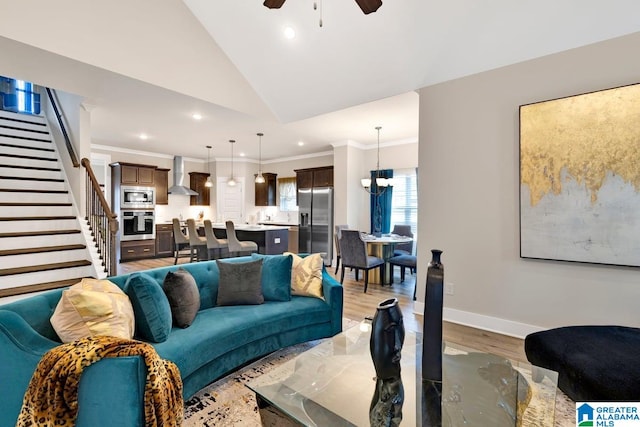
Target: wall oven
137,197
137,225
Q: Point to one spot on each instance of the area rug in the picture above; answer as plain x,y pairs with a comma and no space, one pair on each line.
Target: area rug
227,402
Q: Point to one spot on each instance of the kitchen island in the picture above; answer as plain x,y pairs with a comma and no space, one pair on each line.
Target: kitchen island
271,239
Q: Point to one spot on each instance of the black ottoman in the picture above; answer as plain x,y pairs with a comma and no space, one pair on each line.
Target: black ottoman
594,363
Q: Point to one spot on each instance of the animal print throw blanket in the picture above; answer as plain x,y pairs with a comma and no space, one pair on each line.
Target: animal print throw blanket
52,396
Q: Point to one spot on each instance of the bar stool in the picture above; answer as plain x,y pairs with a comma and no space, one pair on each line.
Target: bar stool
196,243
213,243
236,246
180,240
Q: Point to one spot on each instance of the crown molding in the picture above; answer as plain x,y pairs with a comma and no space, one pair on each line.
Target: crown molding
142,153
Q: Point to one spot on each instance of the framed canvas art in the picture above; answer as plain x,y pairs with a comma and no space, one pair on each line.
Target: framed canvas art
580,178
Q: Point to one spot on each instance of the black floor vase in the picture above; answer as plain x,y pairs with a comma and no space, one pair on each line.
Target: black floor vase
387,338
432,343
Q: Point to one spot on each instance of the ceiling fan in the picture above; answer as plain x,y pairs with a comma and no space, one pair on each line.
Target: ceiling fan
367,6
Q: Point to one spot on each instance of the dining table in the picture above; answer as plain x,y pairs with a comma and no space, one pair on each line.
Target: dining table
383,246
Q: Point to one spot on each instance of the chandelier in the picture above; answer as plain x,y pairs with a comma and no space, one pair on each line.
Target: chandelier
381,183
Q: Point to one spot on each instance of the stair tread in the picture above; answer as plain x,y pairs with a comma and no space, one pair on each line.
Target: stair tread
40,131
30,178
21,120
25,137
36,218
44,267
37,168
25,190
4,144
39,287
33,204
38,233
42,249
23,156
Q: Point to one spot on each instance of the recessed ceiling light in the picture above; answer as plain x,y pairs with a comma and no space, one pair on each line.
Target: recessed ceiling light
241,154
300,143
197,116
143,136
289,32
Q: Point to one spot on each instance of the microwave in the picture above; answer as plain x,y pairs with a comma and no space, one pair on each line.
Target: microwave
137,197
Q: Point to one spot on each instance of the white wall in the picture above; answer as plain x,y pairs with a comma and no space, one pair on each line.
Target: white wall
469,197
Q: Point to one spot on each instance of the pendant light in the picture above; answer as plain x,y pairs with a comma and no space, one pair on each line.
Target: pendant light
232,182
208,182
381,183
259,177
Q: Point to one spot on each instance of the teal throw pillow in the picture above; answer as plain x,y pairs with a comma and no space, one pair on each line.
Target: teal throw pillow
183,295
276,276
150,307
240,283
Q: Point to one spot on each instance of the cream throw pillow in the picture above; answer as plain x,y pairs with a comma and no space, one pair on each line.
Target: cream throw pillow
306,275
93,307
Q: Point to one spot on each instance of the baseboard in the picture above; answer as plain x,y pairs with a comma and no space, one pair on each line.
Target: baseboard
480,321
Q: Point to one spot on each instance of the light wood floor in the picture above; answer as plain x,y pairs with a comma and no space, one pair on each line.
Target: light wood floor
358,305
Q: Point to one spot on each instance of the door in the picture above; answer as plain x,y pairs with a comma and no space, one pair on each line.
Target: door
304,220
230,201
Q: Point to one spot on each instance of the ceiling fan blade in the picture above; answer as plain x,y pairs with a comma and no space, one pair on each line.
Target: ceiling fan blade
273,4
368,6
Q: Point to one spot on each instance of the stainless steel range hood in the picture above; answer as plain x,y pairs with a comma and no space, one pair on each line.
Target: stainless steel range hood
178,178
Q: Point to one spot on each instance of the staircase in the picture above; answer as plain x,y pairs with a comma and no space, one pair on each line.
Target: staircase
42,241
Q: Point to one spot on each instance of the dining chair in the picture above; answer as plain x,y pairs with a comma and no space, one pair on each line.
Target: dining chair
403,248
336,238
354,254
180,240
403,261
213,243
196,243
236,246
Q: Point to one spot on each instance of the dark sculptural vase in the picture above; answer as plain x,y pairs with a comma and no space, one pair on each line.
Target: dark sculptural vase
432,343
387,338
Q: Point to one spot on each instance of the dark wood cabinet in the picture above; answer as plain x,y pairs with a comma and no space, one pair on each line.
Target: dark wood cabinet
304,178
136,249
137,174
266,192
196,183
161,180
314,177
164,240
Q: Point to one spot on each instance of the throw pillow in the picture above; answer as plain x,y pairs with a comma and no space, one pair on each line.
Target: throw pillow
306,275
150,306
276,276
183,295
93,307
240,283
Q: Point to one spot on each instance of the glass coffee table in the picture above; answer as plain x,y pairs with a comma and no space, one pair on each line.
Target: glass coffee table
332,384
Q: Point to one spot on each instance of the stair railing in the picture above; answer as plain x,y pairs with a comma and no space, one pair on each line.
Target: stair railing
67,140
102,221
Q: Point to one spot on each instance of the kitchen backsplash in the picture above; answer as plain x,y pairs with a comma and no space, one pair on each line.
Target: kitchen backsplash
179,207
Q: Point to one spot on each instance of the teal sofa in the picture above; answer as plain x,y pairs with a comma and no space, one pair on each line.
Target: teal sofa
219,340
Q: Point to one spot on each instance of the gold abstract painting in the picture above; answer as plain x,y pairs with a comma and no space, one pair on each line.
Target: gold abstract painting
580,178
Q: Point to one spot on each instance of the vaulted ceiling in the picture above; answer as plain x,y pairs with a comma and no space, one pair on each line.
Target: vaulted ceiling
146,66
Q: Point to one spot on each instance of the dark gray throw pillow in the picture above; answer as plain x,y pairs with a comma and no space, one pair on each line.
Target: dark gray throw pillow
183,295
240,283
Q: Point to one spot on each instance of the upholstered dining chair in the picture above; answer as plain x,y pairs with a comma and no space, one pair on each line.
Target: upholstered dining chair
180,240
403,248
236,246
196,243
354,254
213,243
336,238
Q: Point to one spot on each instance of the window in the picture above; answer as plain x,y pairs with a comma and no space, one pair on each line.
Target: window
404,203
19,96
287,191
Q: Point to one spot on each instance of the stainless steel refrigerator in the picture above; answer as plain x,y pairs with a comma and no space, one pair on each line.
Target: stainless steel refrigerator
316,221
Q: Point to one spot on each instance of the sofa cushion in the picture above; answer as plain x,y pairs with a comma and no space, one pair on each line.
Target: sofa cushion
93,307
236,326
276,276
240,283
184,298
150,306
306,275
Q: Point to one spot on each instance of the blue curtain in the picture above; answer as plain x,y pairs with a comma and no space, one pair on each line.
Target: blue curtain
380,205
